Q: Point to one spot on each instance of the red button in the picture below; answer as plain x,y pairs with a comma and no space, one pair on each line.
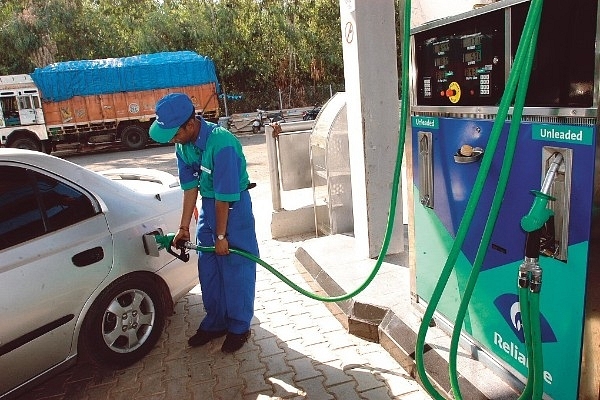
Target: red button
450,92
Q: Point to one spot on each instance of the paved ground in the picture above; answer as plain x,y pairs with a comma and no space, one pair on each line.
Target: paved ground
298,349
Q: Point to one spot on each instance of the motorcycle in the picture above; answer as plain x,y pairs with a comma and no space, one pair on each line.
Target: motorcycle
311,114
264,117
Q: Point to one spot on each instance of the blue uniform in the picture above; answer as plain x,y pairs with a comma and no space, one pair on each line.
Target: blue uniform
216,165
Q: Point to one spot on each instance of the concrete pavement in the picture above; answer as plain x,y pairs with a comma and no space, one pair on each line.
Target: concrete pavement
298,348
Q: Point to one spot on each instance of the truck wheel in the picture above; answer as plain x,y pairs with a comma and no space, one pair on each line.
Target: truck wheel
24,142
134,137
47,147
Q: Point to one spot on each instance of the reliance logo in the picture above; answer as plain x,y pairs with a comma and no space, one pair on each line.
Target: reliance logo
508,305
510,309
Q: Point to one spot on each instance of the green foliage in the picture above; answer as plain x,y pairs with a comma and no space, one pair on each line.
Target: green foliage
281,46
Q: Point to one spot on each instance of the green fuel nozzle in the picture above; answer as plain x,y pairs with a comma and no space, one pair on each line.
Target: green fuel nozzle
539,212
166,242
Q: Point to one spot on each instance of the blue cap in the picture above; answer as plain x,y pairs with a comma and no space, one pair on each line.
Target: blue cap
172,111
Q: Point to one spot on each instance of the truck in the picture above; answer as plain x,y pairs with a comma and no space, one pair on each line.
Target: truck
101,103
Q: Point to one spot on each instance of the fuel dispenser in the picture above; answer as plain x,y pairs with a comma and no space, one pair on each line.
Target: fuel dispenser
460,66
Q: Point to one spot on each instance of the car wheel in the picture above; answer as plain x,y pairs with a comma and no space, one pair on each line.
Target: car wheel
124,323
134,137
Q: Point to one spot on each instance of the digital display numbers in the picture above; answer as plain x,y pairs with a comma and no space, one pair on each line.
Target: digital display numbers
460,59
471,41
441,47
470,72
472,57
457,64
441,61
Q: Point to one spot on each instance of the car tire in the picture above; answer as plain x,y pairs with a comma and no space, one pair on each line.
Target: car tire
124,323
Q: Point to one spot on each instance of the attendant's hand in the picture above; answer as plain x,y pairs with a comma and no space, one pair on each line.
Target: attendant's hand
222,247
182,234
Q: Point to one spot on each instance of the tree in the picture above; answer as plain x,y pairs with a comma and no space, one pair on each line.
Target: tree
258,46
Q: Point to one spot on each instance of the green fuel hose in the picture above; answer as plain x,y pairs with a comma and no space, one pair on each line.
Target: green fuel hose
536,342
530,318
517,80
518,77
166,241
521,93
525,318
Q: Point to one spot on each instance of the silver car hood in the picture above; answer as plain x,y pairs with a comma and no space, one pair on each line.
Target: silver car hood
143,180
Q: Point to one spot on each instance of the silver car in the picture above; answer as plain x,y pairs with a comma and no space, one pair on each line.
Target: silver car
77,277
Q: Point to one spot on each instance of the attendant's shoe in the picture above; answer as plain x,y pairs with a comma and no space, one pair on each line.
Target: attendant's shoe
202,337
234,341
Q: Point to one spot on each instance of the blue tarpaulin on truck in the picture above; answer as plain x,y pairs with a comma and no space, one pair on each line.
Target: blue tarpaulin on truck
63,80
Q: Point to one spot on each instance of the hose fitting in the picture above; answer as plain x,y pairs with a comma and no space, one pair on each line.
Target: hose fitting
536,280
526,270
523,280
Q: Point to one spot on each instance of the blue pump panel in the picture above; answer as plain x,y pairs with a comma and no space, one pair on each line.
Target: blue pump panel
493,319
64,80
462,67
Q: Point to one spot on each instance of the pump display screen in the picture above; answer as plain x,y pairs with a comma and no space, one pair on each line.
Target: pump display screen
472,57
461,66
464,62
471,41
470,72
441,61
441,47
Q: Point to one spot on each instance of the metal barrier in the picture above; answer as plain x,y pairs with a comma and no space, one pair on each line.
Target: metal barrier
289,169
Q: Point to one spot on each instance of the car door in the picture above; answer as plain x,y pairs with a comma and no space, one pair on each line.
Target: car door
55,249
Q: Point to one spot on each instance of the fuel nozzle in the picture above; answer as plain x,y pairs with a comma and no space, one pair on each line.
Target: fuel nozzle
530,272
166,242
539,212
535,285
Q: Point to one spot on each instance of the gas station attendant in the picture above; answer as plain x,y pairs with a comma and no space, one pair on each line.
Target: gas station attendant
210,161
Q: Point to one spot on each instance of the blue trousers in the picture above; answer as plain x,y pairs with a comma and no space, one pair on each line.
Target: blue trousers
228,282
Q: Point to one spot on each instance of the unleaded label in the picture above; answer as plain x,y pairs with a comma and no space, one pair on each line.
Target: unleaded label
425,122
563,133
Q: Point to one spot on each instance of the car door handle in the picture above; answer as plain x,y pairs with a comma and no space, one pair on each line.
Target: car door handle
88,257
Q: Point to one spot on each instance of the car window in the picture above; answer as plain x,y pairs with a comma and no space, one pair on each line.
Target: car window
33,204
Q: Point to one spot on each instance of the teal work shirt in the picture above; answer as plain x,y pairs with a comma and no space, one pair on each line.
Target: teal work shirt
214,163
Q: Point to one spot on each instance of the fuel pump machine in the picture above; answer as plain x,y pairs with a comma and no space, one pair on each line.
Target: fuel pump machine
460,67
